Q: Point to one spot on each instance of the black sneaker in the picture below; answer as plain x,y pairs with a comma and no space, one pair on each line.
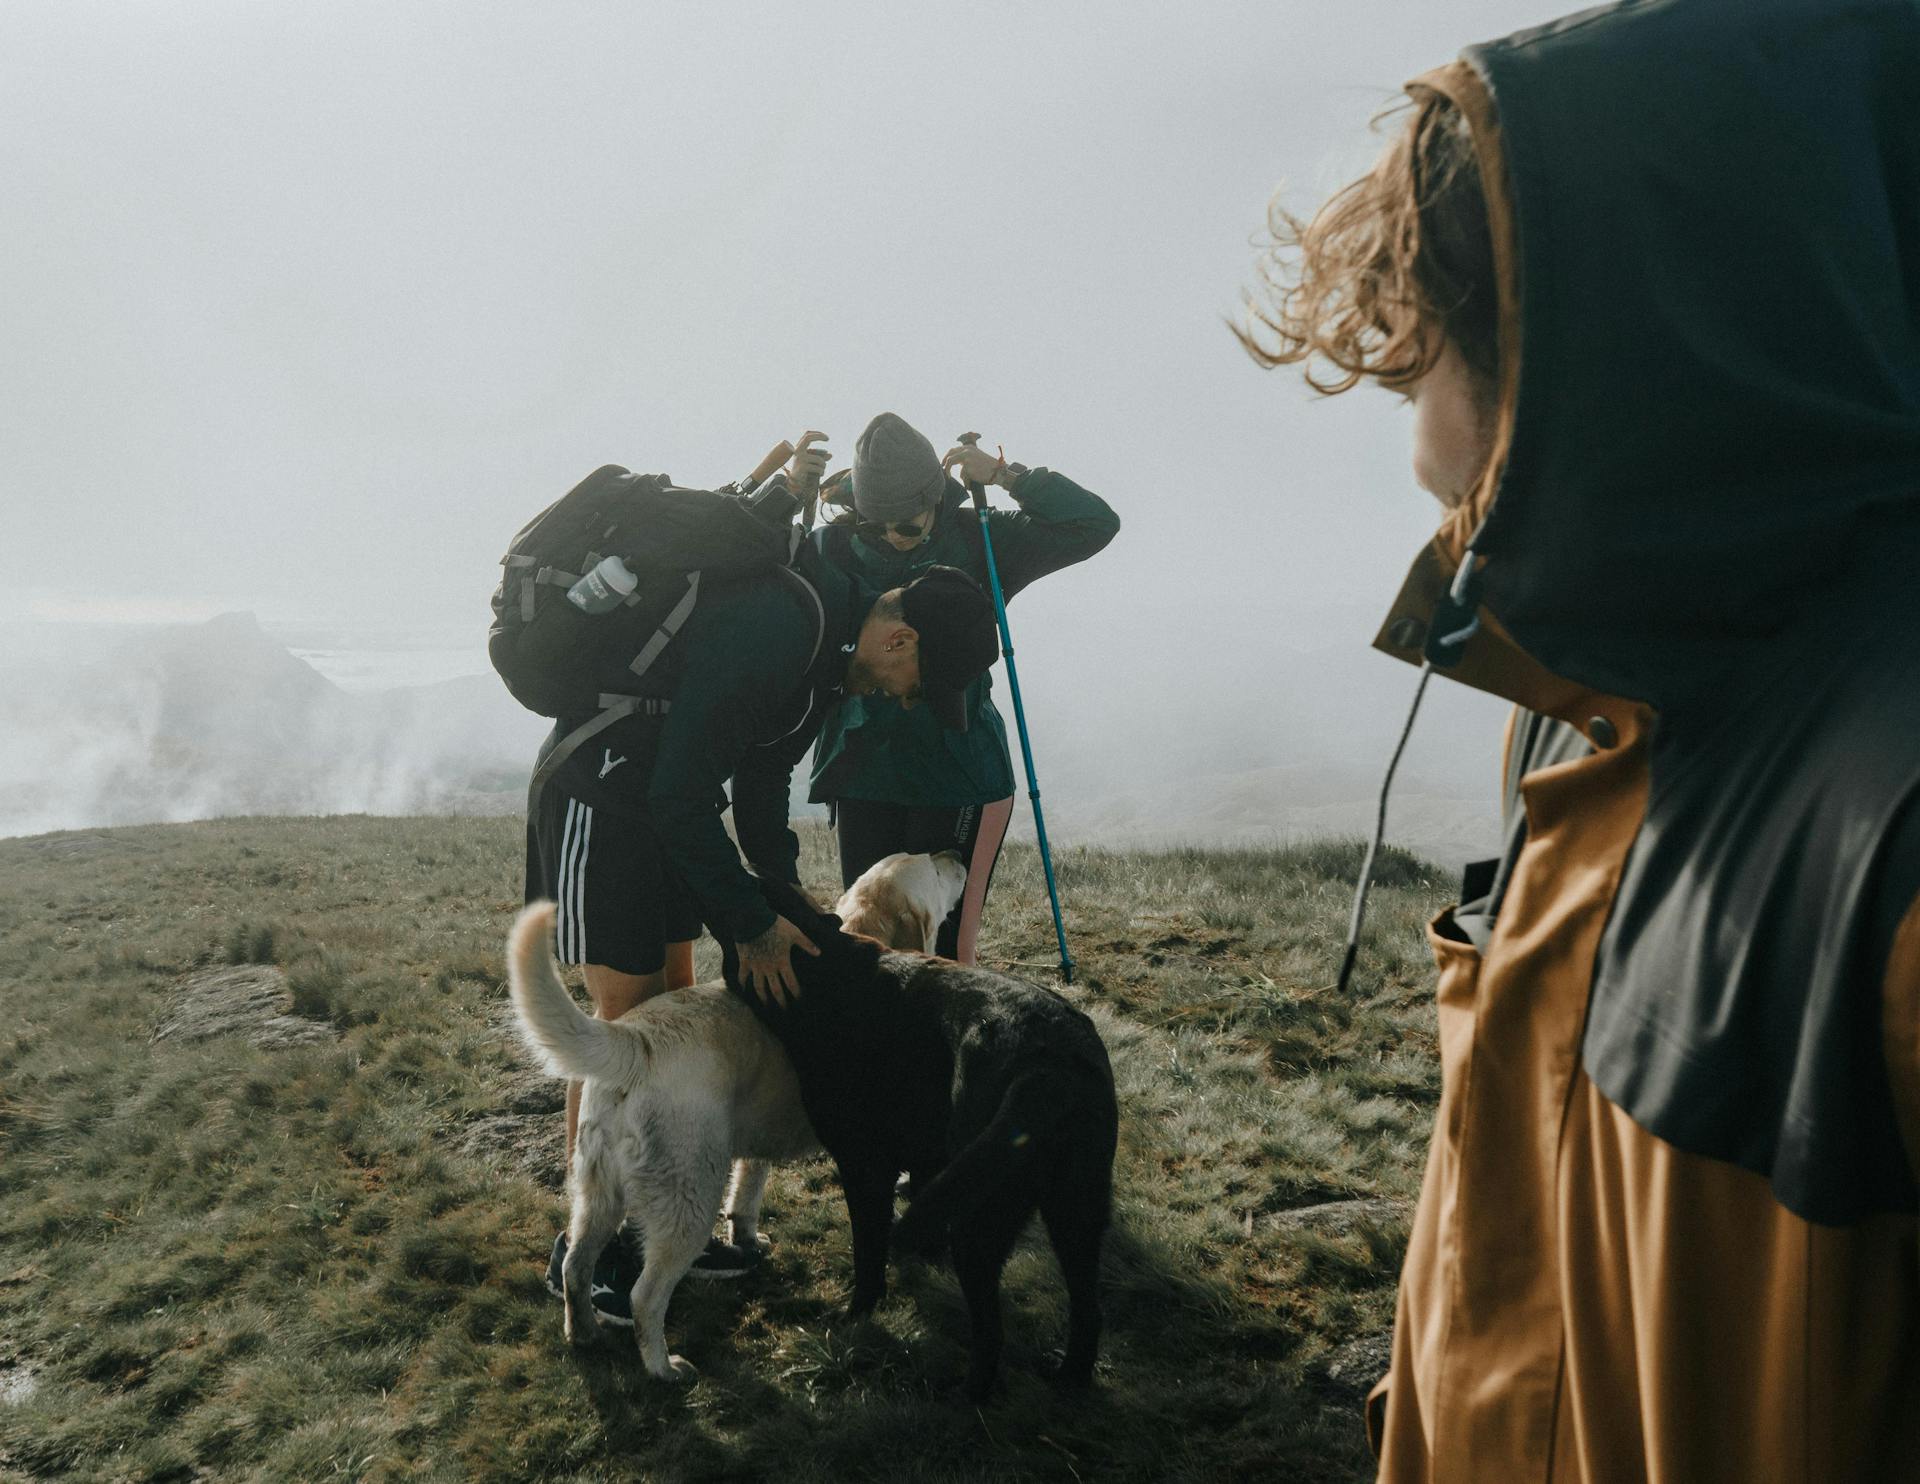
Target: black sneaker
724,1260
611,1288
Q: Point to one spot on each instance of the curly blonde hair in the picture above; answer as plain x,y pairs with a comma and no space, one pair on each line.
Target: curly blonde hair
1400,253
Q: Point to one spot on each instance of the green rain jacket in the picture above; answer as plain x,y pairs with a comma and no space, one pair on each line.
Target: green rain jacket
873,748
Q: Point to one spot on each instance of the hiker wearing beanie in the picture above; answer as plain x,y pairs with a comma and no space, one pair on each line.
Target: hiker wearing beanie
898,779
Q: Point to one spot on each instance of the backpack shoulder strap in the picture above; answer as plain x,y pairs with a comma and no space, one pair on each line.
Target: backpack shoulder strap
669,627
819,612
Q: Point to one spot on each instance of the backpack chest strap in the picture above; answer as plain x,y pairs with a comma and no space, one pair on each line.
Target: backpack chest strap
614,708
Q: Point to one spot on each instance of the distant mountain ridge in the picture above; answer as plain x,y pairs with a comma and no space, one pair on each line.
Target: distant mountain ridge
201,720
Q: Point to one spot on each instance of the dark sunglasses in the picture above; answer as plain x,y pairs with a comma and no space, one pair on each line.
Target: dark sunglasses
913,529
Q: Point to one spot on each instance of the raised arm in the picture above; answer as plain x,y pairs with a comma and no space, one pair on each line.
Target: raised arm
1058,523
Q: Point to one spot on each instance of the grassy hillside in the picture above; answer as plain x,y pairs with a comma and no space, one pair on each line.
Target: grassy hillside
276,1186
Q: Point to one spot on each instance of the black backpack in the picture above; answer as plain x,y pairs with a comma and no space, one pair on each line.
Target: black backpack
562,662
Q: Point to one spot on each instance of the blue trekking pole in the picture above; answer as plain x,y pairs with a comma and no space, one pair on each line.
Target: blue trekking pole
979,493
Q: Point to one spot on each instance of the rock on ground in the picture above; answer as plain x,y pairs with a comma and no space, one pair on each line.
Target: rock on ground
1351,1371
248,1000
530,1091
17,1384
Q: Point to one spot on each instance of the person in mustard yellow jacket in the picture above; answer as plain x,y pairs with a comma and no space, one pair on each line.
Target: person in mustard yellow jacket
1651,278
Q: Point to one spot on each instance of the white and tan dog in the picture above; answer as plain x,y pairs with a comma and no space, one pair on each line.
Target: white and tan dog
677,1090
903,899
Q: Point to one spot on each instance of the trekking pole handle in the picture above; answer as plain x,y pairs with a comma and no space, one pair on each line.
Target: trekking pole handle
974,486
776,456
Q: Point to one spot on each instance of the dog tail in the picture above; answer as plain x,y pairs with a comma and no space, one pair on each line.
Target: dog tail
568,1041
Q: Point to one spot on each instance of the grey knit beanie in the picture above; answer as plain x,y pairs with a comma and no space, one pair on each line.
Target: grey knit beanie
896,473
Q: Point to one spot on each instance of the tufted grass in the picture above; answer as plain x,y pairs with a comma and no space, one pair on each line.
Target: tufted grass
222,1262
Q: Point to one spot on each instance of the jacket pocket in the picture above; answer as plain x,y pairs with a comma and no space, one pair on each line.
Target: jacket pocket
1456,998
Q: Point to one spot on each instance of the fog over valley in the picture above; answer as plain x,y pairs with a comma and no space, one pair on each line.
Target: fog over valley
106,725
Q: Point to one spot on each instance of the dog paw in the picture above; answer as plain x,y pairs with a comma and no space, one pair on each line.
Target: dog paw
580,1323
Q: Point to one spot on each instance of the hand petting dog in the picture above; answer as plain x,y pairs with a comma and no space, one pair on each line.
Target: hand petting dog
766,963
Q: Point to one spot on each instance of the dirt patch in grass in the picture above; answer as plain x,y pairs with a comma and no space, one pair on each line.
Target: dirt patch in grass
525,1144
252,1001
1340,1218
66,845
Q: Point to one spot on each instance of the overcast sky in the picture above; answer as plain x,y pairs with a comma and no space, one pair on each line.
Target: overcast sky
311,304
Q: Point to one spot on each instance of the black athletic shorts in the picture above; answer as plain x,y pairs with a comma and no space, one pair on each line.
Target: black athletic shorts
619,903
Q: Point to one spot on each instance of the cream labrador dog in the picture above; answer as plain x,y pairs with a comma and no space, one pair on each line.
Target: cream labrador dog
902,899
679,1091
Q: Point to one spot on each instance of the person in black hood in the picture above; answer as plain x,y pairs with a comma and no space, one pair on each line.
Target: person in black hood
1651,275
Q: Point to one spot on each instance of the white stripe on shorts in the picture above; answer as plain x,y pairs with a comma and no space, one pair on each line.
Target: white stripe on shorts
570,889
562,925
580,883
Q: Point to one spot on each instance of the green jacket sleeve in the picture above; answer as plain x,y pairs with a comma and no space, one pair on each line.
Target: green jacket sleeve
732,688
762,804
1057,524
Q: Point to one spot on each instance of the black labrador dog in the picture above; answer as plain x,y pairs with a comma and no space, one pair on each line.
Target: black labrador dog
995,1095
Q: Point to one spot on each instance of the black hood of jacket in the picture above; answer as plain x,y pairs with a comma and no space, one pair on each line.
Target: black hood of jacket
1706,498
1716,208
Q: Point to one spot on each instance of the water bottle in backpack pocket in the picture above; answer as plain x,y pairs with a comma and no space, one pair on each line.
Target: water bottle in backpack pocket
605,587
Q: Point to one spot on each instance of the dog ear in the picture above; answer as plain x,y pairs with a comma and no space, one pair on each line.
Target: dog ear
908,920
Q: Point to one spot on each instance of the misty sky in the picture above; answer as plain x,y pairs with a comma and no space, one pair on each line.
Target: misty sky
311,305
